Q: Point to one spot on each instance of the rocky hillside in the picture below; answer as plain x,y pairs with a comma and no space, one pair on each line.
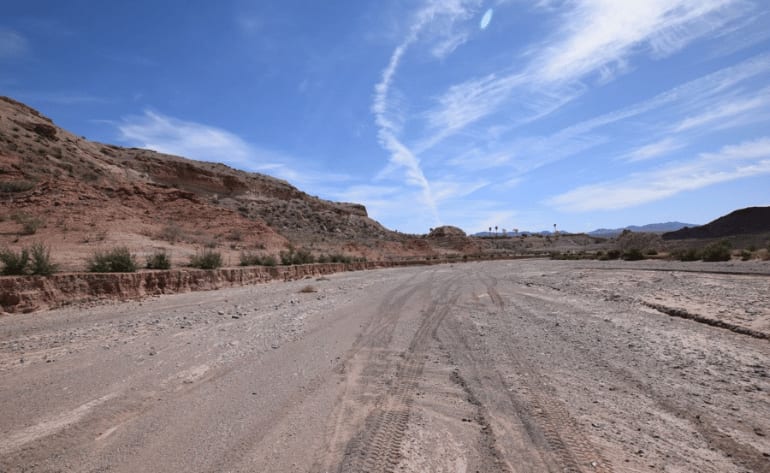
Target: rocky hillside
78,196
751,220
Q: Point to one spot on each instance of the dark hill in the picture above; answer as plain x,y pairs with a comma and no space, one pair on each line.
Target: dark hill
740,222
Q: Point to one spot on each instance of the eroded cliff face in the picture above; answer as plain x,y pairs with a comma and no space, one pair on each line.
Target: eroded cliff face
88,196
31,293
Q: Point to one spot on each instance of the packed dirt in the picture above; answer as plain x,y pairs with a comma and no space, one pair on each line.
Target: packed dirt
514,366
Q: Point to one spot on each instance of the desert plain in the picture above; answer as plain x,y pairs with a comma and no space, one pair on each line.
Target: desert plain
507,366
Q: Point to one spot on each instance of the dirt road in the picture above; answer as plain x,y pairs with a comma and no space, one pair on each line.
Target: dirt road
521,366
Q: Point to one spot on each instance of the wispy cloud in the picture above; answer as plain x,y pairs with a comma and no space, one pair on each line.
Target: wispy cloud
193,140
690,104
751,158
596,38
600,34
733,107
12,44
445,14
653,150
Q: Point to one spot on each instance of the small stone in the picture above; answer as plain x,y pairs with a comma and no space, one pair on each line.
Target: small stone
235,316
221,312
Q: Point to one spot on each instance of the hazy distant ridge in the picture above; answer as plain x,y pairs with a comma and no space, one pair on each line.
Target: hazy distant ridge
607,232
649,228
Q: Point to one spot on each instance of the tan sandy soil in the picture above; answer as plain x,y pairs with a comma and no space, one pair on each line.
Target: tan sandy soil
519,366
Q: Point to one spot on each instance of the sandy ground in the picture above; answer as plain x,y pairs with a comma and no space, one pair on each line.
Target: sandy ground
521,366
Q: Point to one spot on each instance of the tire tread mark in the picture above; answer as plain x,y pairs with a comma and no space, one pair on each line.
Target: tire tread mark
571,448
377,447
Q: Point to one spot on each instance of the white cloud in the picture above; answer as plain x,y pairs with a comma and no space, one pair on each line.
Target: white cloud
193,140
595,37
694,99
748,159
734,107
597,34
445,13
653,150
197,141
12,44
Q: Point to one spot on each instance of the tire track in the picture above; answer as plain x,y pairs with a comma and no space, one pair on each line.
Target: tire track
741,453
377,446
564,437
544,416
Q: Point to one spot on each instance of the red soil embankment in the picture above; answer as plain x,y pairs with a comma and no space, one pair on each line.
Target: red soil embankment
31,293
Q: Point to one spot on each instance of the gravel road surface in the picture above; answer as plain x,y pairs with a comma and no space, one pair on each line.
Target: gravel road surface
517,366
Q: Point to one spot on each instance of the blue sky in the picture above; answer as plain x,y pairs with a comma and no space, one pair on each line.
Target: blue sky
520,114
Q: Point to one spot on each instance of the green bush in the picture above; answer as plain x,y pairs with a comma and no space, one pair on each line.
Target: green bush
253,259
336,258
116,260
208,259
293,256
159,260
717,252
688,255
34,260
14,264
29,224
41,263
634,254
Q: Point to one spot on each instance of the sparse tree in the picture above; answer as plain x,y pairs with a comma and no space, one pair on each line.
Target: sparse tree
495,231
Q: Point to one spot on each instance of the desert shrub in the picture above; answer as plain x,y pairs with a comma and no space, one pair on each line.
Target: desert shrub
293,256
686,255
29,224
340,258
16,186
172,233
253,259
269,260
235,235
41,263
745,255
335,258
208,259
159,260
651,252
14,264
308,289
116,260
613,254
634,254
717,252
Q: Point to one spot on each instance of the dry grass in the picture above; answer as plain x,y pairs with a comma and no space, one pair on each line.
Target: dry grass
308,289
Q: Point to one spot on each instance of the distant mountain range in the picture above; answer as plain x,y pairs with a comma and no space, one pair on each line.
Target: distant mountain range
607,232
751,220
650,228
